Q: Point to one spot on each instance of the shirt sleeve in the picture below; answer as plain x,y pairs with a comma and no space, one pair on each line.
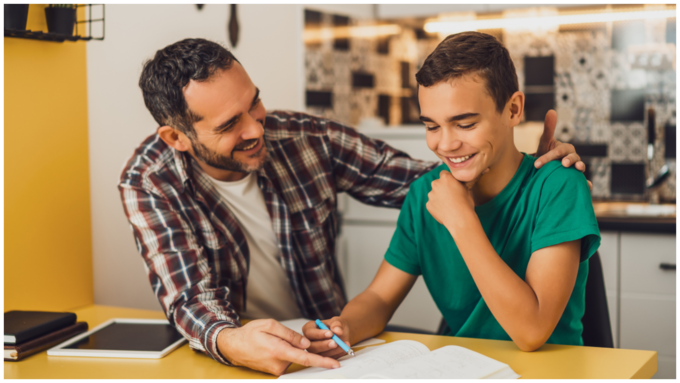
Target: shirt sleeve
565,213
179,271
370,170
403,250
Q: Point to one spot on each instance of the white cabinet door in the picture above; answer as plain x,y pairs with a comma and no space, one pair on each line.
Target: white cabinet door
648,323
366,246
648,298
642,260
609,255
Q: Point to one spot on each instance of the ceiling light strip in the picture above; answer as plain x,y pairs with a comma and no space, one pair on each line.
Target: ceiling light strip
543,21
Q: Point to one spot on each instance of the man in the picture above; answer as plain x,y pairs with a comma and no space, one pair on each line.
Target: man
234,210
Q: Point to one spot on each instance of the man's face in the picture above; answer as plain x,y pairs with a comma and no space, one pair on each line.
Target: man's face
464,129
230,133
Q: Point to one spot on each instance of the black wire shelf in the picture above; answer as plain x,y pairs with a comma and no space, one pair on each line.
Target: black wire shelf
60,37
39,35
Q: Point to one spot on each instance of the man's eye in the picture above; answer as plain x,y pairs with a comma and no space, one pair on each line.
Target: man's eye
467,126
431,128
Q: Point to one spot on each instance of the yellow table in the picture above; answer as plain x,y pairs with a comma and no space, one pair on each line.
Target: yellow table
550,361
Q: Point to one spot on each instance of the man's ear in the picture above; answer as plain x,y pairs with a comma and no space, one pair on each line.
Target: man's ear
516,105
174,138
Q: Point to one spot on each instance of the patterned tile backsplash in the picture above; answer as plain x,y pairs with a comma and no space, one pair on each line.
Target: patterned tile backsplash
601,81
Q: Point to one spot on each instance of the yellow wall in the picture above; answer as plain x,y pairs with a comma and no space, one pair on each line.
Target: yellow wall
48,246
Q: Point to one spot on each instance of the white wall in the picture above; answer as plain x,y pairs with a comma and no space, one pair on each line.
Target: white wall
270,48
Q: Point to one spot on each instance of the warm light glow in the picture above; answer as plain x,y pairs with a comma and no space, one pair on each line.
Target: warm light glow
448,27
368,31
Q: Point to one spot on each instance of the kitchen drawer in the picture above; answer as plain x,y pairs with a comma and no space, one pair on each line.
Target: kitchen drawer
641,256
648,323
366,246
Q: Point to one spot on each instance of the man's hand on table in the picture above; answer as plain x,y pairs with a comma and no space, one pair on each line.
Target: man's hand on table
550,149
267,345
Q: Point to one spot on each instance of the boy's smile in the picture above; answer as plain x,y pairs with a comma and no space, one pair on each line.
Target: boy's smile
466,131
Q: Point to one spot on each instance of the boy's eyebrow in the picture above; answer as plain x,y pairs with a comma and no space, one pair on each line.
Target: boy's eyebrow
232,120
461,117
451,119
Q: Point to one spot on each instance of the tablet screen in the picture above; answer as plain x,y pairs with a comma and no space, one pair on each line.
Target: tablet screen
129,337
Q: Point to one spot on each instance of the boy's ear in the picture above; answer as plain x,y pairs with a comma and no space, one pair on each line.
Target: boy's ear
516,105
174,138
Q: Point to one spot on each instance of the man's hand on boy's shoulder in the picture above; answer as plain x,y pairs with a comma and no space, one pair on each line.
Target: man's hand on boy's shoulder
549,149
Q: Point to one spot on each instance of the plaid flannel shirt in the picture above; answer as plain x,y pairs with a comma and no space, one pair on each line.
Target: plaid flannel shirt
195,252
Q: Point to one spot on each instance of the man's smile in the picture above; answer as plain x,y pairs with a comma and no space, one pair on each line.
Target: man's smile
249,145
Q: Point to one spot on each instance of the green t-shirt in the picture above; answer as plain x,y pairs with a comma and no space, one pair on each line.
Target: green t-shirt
536,209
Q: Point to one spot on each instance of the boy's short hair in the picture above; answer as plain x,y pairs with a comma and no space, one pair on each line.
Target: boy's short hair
468,53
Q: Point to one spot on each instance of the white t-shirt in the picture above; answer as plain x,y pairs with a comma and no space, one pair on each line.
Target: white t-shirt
268,293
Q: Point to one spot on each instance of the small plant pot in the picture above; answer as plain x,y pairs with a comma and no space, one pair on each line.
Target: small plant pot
60,20
16,16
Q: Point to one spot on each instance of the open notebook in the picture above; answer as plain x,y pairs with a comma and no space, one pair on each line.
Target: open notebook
408,359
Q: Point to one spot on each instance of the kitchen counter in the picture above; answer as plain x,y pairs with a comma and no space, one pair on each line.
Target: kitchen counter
635,217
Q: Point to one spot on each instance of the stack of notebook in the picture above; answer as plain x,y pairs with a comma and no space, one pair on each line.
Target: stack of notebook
29,332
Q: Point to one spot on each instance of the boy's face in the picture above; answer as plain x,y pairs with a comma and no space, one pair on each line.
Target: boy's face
464,129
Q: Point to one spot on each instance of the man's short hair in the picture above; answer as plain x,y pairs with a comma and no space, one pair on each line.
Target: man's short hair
164,77
472,53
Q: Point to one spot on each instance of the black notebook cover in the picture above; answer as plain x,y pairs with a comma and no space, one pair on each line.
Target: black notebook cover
21,326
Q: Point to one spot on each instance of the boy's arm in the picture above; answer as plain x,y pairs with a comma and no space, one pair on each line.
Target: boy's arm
528,310
364,316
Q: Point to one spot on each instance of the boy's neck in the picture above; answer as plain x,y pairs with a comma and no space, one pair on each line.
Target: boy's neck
498,177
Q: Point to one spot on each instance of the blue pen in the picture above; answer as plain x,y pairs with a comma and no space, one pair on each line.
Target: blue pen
337,340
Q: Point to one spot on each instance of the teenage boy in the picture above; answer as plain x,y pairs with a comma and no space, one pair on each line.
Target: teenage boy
502,246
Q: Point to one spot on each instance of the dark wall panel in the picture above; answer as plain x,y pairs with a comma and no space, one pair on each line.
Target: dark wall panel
537,105
628,179
316,98
539,70
628,105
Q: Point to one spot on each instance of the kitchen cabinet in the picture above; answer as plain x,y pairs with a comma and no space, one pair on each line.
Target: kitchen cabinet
648,298
609,256
640,294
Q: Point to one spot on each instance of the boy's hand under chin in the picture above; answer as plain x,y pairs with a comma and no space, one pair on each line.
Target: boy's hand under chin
450,199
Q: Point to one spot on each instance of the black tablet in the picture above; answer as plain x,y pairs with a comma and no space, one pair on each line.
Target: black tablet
123,338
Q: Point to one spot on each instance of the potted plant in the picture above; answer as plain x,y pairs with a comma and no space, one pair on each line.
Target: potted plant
16,16
60,18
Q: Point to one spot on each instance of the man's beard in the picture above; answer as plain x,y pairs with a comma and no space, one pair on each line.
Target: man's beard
228,163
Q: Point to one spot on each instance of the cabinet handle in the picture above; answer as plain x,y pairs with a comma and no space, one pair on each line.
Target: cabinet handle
667,266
